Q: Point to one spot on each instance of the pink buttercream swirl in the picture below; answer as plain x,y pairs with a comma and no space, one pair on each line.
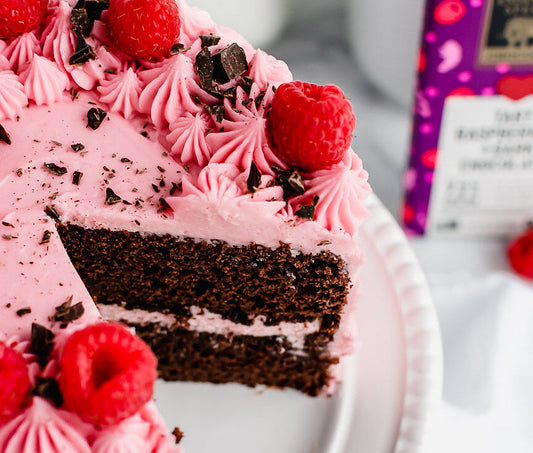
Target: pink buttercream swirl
342,191
22,49
12,95
243,138
194,22
43,82
161,441
129,436
171,91
188,138
43,428
121,93
268,72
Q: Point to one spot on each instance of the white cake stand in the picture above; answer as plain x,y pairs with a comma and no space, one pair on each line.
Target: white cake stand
391,386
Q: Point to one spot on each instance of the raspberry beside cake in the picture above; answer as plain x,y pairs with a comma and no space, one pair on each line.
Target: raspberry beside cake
199,195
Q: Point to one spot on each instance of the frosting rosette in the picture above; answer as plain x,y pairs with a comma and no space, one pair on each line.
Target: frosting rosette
12,95
341,191
43,82
267,71
188,138
129,436
22,49
43,428
194,22
121,93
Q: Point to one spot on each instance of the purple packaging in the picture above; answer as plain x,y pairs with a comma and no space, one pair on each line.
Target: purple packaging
471,165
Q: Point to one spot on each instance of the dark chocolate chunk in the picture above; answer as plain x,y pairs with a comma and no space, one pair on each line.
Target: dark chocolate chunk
48,388
95,116
23,311
177,48
216,110
76,177
209,40
80,21
41,343
83,52
111,197
307,212
66,312
95,8
204,68
178,434
254,178
55,169
229,63
51,212
246,84
77,147
4,136
291,182
46,237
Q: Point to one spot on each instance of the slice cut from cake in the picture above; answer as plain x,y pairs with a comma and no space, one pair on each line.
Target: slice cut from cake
183,184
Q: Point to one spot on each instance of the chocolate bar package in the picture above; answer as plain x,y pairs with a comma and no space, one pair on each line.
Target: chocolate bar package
470,171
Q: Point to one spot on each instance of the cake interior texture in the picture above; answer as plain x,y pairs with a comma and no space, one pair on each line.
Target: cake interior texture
132,276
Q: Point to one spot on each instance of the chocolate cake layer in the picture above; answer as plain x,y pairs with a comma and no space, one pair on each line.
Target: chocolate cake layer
205,357
169,274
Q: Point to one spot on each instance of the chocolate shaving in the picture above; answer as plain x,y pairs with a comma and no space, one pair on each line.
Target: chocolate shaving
204,67
76,177
177,48
4,136
95,8
231,94
76,147
95,116
55,169
46,237
41,343
66,312
23,311
254,178
111,197
246,84
291,182
259,98
229,63
83,52
209,40
178,434
307,212
164,205
51,212
175,188
48,388
216,110
80,22
7,224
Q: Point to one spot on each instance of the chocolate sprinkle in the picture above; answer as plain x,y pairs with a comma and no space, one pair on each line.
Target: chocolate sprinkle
51,212
175,188
83,52
66,312
95,116
4,136
48,388
77,147
291,182
229,63
46,237
216,110
177,48
259,99
178,434
307,212
76,177
111,197
55,169
246,84
42,343
209,40
164,205
254,178
204,67
23,311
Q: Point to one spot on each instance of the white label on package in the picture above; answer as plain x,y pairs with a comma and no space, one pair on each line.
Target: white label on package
483,183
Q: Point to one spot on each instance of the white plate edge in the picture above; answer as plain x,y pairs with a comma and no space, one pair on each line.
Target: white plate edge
423,344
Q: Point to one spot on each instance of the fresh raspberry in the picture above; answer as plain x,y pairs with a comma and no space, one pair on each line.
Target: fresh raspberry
144,29
107,373
520,254
14,382
309,126
20,16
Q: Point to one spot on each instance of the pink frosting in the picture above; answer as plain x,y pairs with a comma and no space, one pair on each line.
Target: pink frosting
43,428
268,71
43,82
194,22
22,49
121,93
129,436
12,95
188,138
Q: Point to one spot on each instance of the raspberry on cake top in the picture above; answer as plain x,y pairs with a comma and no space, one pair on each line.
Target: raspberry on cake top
146,117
